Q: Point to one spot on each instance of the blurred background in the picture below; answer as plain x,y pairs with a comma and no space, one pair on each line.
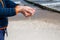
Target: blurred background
43,25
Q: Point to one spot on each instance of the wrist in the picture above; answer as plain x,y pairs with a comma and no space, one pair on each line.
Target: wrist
18,9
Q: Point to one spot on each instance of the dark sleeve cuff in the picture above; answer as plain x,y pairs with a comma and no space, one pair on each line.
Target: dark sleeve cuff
17,5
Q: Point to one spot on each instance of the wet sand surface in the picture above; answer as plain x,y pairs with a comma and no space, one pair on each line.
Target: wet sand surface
44,25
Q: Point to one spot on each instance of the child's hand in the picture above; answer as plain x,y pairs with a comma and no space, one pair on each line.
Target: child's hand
25,10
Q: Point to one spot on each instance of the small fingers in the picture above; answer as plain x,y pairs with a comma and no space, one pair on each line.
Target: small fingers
28,11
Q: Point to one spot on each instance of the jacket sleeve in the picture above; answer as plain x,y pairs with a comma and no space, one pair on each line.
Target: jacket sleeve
10,4
7,12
